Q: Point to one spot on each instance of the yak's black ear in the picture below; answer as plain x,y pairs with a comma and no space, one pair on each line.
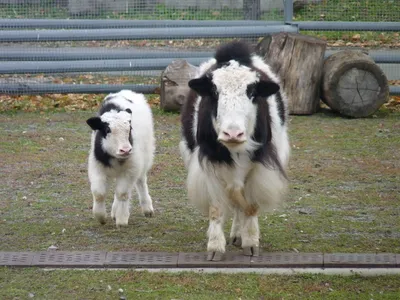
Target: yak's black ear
95,123
203,85
128,110
266,88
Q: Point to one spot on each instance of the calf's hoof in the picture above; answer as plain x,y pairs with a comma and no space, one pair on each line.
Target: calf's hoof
101,218
215,256
251,251
119,224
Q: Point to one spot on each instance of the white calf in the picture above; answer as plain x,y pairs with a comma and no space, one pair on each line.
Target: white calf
122,147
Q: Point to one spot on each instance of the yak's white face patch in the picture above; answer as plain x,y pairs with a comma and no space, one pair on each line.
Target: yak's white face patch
236,113
117,142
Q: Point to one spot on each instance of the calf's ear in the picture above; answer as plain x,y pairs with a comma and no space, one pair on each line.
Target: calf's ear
95,123
202,86
266,88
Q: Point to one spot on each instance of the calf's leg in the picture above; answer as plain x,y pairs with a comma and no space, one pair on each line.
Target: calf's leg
98,186
120,208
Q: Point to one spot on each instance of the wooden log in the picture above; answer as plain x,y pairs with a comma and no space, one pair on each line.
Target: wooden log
174,84
353,84
298,60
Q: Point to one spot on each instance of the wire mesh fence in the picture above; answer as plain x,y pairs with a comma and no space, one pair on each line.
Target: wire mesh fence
71,42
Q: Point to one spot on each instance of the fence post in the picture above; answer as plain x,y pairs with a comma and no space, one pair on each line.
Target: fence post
288,11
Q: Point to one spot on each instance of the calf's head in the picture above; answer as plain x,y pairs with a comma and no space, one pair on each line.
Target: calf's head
231,94
115,130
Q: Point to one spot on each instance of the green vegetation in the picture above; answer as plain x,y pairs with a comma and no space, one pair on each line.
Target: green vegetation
343,195
73,284
351,10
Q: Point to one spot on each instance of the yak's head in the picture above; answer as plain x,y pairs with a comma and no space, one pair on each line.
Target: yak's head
232,93
114,127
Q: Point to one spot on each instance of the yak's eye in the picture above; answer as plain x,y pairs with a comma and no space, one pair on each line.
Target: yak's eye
107,130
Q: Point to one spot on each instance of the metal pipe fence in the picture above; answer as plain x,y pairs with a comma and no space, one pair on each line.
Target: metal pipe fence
57,39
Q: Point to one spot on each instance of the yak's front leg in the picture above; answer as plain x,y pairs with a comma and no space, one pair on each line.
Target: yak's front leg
144,198
250,231
216,237
120,207
235,236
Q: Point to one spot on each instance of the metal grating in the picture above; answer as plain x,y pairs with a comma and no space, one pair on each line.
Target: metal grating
64,259
141,259
365,260
288,260
16,259
199,260
69,259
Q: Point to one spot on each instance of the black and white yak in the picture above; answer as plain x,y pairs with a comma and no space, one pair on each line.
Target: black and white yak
122,148
235,145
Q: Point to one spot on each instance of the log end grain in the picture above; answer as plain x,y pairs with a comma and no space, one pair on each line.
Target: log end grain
353,84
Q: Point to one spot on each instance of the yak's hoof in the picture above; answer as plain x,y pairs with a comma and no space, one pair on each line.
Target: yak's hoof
251,251
236,241
214,256
149,214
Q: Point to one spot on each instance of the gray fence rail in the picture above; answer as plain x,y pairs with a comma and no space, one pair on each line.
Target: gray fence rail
109,23
22,55
140,33
50,88
34,60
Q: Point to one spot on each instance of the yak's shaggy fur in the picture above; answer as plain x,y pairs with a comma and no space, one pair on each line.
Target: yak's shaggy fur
235,144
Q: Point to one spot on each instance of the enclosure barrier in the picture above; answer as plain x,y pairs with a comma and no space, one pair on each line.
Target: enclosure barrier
140,33
109,23
67,54
51,60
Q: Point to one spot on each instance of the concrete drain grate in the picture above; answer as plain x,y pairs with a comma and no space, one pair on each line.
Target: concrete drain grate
69,259
64,259
345,260
141,260
288,260
17,259
199,260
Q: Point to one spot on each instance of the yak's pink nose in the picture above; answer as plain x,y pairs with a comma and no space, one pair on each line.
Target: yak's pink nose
232,136
125,150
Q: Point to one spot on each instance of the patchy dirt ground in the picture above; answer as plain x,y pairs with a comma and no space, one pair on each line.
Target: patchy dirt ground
344,190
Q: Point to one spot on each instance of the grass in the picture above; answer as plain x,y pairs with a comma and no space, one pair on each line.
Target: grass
71,284
350,10
343,196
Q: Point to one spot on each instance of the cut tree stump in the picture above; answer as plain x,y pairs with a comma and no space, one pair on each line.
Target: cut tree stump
174,84
353,84
298,60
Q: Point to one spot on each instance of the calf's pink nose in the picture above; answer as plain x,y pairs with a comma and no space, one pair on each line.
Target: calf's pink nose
125,150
